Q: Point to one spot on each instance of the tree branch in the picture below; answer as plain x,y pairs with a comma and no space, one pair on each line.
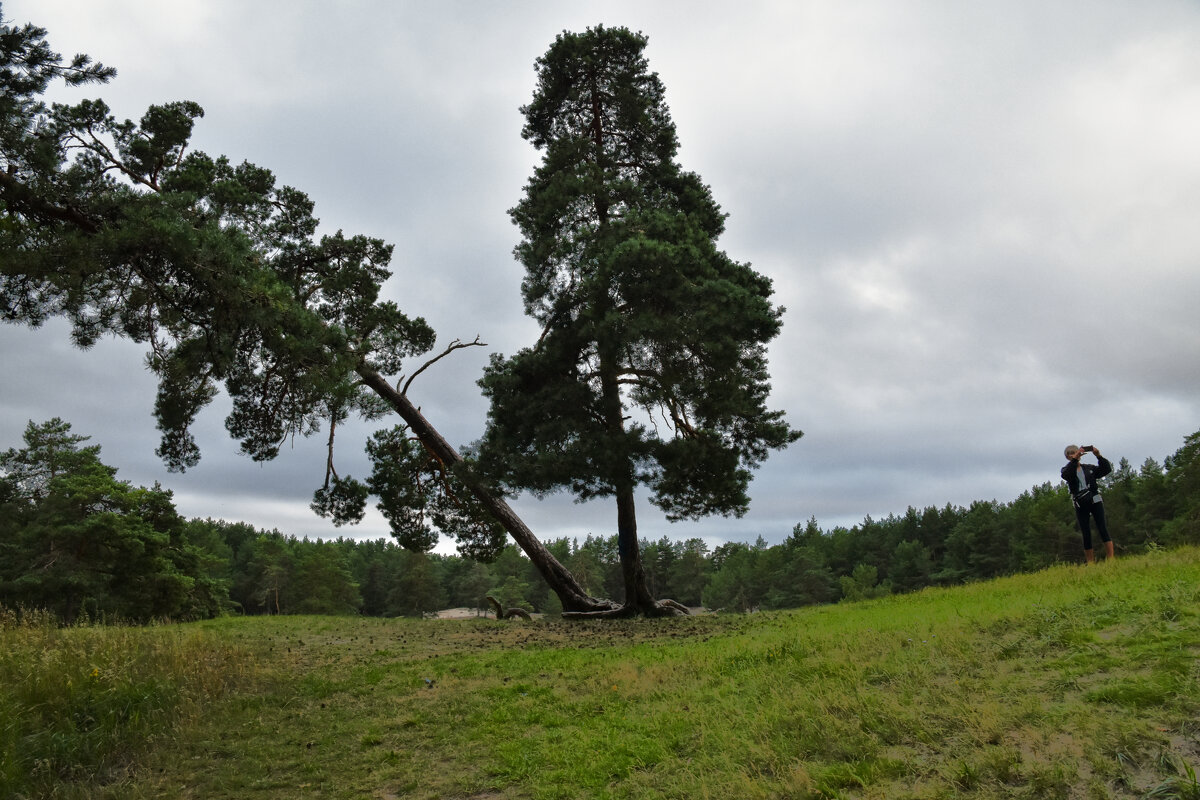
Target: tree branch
457,344
329,470
21,199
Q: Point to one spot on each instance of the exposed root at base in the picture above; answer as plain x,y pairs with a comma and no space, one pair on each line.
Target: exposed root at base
661,608
511,613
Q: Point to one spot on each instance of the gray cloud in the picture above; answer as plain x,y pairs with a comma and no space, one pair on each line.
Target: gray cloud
980,218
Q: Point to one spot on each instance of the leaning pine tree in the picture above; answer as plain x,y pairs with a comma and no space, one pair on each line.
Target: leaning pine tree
123,230
651,366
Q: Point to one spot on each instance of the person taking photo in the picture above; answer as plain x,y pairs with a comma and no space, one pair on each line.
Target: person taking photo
1085,494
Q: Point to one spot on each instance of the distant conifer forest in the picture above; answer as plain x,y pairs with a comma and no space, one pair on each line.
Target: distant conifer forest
77,541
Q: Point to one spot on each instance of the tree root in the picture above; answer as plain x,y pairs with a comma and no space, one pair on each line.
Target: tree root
683,611
512,613
661,608
594,606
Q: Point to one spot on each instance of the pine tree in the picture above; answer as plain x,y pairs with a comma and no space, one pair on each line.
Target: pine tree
75,539
123,230
651,367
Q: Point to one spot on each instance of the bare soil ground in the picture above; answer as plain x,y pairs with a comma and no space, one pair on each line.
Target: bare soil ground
460,613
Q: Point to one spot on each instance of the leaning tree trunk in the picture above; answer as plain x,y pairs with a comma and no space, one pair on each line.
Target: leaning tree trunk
572,595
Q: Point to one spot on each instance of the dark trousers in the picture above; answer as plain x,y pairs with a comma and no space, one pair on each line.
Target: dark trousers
1084,515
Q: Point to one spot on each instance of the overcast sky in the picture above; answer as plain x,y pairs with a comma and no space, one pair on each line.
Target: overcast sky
982,218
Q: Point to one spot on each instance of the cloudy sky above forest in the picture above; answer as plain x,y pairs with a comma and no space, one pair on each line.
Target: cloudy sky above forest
982,218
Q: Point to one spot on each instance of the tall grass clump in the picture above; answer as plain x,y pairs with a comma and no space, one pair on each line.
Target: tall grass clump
78,704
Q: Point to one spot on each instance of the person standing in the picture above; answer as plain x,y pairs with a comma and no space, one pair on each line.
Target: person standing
1081,480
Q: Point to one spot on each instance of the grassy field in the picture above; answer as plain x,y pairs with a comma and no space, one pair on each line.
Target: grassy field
1070,683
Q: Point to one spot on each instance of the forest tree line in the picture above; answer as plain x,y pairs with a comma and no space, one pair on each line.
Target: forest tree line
77,541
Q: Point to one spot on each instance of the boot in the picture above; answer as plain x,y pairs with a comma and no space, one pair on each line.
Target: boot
1090,556
1109,552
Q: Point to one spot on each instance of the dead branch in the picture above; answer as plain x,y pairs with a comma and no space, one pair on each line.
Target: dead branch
329,470
457,344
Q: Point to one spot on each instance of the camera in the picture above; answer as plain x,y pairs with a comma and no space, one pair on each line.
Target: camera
1087,448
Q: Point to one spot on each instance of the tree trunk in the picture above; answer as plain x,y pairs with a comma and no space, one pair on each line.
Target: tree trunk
637,593
572,595
638,599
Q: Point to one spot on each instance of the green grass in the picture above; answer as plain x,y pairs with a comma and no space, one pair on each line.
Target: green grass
81,705
1070,683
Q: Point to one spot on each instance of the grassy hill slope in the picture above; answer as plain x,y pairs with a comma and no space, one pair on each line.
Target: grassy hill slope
1071,683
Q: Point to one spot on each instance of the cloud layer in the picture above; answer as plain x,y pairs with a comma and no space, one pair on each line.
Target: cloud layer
981,220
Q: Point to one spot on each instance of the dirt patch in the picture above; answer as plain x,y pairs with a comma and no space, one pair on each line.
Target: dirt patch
458,613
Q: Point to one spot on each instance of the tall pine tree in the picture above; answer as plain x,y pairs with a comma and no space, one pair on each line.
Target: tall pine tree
651,367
